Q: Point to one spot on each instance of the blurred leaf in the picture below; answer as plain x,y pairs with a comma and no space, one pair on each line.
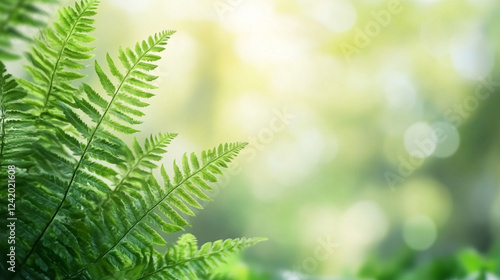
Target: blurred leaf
473,262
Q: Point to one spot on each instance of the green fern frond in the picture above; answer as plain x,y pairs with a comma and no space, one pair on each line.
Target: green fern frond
185,261
91,206
157,209
89,178
132,89
57,58
96,138
15,15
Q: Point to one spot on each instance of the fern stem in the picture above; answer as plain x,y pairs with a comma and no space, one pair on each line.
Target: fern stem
154,207
84,153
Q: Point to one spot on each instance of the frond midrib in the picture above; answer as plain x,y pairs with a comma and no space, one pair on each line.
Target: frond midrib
156,205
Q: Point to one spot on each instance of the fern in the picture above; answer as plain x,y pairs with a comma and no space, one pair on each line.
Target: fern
89,206
137,227
186,261
15,15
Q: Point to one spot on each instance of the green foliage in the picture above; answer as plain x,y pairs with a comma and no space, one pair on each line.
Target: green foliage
466,264
186,261
15,17
88,205
57,58
12,112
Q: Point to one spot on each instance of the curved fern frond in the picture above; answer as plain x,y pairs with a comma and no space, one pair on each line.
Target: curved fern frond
185,261
57,58
115,114
129,94
99,142
16,15
54,58
85,176
157,209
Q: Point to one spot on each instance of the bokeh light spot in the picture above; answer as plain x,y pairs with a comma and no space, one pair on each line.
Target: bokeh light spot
400,93
471,55
420,140
419,232
448,139
364,223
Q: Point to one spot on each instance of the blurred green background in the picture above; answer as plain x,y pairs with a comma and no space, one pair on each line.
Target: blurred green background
373,128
